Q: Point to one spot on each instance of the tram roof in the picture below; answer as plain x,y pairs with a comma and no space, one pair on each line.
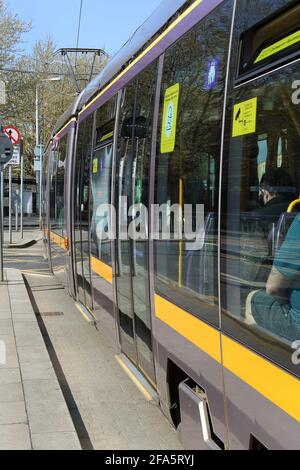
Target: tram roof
141,36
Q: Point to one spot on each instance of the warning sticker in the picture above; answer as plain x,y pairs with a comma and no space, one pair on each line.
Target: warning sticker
168,135
95,165
244,118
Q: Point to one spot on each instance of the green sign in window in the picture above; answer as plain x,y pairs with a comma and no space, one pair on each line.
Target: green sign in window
278,46
168,135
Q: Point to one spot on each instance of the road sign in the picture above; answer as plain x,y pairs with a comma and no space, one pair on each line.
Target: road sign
15,160
37,165
13,133
6,149
39,150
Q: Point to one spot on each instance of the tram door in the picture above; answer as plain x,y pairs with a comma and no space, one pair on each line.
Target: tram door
81,213
131,248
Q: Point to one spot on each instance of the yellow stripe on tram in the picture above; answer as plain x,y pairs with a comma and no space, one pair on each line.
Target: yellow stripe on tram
153,44
274,383
60,241
194,330
102,269
65,126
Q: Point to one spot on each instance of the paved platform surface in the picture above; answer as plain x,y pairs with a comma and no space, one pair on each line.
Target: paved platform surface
107,409
33,412
115,414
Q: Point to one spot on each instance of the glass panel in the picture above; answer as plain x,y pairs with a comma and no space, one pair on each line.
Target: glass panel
145,94
260,241
82,208
57,187
186,270
101,181
101,191
132,253
123,246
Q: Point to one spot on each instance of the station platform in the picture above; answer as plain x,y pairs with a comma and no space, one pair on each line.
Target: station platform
33,412
104,406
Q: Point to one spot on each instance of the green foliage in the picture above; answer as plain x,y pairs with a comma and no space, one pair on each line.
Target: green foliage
22,74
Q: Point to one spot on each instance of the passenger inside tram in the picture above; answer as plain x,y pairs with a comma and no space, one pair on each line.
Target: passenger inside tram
276,194
277,308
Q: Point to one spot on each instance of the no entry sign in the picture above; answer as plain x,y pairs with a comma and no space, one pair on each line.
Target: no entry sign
13,133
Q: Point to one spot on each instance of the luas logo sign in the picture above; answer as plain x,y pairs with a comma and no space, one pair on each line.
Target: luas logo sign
168,134
170,119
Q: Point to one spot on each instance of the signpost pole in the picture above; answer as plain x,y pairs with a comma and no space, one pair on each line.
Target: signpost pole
6,152
1,225
17,214
22,193
41,184
10,203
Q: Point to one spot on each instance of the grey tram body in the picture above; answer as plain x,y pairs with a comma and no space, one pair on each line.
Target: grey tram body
240,417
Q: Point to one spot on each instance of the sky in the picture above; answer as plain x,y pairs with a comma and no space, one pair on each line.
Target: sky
105,23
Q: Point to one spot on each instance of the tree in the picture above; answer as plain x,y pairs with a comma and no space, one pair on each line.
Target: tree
11,30
55,97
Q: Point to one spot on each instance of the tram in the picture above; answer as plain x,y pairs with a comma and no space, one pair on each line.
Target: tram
200,109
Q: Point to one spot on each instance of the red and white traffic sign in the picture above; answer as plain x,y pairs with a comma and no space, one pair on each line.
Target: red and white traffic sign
13,133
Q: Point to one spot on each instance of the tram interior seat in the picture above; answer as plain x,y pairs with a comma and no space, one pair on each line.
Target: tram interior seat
285,221
200,263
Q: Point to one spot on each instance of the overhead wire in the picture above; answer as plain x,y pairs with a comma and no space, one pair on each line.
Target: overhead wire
79,29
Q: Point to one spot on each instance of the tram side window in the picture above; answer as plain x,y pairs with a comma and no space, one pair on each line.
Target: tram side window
57,186
188,162
101,181
260,265
82,210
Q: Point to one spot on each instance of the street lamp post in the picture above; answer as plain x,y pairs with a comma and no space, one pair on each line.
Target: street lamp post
37,138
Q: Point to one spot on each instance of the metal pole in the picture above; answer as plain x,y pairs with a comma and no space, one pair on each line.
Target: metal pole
37,131
1,226
41,184
17,214
10,203
22,192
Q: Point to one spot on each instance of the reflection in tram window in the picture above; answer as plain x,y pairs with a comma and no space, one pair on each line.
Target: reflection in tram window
57,186
277,308
82,210
101,190
260,267
101,181
190,173
132,183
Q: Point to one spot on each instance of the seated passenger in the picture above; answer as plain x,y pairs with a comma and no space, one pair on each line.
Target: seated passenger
277,309
277,193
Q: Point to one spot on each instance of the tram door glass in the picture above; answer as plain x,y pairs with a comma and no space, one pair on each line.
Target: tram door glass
260,244
57,188
132,180
187,171
81,212
101,182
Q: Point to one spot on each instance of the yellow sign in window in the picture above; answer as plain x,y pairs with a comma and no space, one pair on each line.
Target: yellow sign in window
244,118
278,46
169,126
95,165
